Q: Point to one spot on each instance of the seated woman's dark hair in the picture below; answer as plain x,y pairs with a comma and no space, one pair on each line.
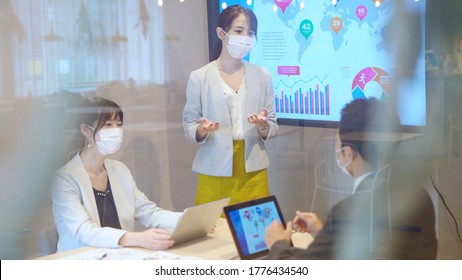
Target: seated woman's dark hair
89,111
100,110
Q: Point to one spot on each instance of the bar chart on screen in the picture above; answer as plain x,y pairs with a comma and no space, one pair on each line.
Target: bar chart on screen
312,100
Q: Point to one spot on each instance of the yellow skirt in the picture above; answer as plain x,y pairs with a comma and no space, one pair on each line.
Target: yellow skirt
240,187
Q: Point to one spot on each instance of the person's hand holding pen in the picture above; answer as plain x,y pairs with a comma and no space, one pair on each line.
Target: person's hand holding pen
307,222
205,126
303,222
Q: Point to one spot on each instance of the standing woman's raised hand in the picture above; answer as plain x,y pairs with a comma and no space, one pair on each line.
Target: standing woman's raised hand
260,120
206,126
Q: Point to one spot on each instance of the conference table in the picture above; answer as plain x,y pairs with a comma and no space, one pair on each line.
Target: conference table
217,245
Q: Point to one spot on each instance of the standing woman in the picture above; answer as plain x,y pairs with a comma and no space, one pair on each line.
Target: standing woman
229,112
95,199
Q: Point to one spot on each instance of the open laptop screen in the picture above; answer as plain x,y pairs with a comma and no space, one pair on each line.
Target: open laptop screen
197,221
248,222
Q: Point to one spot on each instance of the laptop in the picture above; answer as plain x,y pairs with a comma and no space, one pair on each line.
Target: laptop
197,221
248,222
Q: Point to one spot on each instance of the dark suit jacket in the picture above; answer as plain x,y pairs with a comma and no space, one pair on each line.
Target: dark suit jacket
413,221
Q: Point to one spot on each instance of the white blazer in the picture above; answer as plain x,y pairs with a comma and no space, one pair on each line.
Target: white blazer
76,215
206,98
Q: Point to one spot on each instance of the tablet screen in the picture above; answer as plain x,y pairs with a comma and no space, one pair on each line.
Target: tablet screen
248,222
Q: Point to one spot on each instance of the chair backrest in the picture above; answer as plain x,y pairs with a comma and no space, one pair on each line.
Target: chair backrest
382,177
327,173
48,241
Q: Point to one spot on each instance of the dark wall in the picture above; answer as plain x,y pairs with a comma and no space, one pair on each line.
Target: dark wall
443,23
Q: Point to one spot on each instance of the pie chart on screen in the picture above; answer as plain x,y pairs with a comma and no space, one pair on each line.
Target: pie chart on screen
371,82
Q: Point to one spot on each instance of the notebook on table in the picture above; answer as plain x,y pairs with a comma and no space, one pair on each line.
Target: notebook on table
197,221
248,222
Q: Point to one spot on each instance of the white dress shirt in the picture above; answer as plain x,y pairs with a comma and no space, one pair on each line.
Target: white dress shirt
359,180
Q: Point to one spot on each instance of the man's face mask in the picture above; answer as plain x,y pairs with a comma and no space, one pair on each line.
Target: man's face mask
343,167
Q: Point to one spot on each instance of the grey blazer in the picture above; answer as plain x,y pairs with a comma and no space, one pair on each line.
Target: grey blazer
205,98
76,215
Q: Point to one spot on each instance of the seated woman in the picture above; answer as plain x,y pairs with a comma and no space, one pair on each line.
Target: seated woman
96,200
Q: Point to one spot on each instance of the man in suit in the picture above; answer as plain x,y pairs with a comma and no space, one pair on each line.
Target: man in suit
361,146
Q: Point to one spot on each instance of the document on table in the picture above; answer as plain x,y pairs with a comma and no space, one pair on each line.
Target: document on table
127,254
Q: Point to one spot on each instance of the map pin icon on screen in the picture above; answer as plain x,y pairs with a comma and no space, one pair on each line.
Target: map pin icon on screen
306,28
336,24
282,4
361,12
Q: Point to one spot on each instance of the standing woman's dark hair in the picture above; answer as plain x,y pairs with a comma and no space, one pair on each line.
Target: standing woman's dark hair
225,20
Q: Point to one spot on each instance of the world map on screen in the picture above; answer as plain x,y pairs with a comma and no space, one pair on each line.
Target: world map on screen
322,56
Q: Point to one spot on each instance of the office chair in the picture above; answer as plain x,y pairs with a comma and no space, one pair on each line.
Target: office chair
48,241
381,179
328,177
454,125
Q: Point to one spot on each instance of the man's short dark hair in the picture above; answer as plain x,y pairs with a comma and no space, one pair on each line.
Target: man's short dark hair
362,116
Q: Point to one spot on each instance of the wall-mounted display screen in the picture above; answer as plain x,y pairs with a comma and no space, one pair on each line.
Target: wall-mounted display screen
323,55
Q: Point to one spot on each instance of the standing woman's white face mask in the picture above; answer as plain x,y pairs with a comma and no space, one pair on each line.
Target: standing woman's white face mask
109,138
240,39
239,46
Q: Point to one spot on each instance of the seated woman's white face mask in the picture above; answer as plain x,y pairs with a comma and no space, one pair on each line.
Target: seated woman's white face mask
110,140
